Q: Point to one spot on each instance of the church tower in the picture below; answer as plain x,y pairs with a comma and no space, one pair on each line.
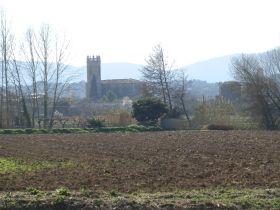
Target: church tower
93,85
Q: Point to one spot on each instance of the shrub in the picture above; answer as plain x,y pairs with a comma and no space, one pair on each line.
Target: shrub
113,193
8,131
98,202
137,127
64,191
20,131
40,130
217,127
148,110
33,191
95,123
57,130
124,118
28,130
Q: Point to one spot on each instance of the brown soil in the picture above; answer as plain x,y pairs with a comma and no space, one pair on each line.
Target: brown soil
156,161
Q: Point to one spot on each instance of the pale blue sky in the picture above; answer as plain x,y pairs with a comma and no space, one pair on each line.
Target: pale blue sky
127,30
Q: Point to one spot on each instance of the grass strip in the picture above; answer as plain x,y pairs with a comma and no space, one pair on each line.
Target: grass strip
9,165
133,128
64,198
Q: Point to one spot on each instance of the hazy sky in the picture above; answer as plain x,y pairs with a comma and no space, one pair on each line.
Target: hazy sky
127,30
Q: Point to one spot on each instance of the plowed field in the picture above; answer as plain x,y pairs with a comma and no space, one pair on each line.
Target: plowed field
156,161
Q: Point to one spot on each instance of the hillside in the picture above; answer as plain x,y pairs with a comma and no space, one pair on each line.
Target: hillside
212,70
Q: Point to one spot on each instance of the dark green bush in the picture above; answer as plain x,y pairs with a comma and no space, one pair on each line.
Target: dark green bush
57,130
218,127
18,131
42,130
28,130
8,131
148,110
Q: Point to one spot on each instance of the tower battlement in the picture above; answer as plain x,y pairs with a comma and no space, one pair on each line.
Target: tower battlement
93,59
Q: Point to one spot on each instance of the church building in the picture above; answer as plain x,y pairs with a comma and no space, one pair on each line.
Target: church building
97,88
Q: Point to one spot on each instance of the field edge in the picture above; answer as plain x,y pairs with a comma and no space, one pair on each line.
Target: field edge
218,198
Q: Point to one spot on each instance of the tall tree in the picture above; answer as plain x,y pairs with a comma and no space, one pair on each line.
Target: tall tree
29,52
60,82
6,39
17,81
157,75
259,75
52,53
43,50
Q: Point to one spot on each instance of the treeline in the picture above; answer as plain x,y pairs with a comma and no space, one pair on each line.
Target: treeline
259,75
258,106
30,90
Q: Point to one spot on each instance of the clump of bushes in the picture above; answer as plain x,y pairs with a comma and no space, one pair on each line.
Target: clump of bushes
95,123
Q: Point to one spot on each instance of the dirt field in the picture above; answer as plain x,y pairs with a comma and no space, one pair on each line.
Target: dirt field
156,161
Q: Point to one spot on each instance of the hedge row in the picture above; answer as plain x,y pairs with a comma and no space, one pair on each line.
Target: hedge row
132,128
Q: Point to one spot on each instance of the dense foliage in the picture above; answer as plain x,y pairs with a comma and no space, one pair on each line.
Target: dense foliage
148,110
95,123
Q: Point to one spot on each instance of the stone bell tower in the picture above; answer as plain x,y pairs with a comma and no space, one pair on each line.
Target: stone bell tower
93,85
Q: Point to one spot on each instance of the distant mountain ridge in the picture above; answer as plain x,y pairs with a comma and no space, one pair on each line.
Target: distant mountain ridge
211,70
108,71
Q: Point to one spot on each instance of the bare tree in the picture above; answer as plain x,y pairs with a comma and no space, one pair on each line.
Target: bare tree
52,56
45,60
28,50
60,83
43,50
6,39
17,81
259,75
180,91
157,75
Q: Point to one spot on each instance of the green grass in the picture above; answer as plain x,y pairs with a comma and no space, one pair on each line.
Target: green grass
33,191
9,165
239,198
187,199
63,191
